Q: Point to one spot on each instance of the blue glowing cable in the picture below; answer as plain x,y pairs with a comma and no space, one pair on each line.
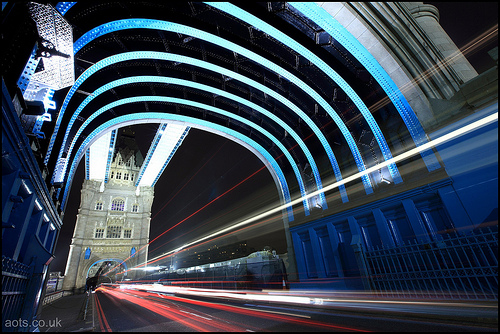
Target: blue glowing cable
166,99
195,85
161,117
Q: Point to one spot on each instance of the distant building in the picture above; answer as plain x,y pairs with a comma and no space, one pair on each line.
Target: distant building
112,227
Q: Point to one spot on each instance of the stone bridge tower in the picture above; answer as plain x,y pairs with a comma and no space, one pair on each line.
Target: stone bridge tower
112,226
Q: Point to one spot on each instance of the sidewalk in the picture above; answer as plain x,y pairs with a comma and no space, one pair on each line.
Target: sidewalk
67,314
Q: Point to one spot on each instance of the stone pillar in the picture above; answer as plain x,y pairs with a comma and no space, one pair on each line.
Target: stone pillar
72,266
427,16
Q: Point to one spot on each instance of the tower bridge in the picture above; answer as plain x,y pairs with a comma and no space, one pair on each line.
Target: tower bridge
376,131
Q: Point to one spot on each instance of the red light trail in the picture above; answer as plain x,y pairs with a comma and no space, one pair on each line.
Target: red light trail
172,307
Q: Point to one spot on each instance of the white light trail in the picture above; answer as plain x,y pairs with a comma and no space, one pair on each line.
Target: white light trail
417,150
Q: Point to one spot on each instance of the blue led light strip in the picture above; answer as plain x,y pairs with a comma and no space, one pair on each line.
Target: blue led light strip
324,19
87,164
300,49
182,82
63,7
202,107
195,62
182,29
271,164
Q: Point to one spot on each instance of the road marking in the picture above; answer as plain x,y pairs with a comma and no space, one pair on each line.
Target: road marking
267,311
197,315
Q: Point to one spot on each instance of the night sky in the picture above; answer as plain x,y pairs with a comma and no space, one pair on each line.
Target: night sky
206,166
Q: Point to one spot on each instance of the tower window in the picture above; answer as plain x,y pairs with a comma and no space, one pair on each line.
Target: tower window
98,205
125,176
99,233
118,175
114,232
118,204
135,207
127,233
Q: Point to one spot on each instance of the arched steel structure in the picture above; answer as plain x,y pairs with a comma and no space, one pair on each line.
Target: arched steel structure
285,78
272,166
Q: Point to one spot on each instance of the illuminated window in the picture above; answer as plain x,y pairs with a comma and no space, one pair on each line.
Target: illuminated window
127,233
98,205
114,232
118,204
135,207
99,233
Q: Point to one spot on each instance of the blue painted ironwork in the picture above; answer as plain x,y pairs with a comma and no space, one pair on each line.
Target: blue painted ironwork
150,116
184,134
112,142
325,68
195,62
203,107
195,85
87,164
169,26
152,149
325,20
64,6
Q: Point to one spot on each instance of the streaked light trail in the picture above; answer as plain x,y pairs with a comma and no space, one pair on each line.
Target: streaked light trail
415,151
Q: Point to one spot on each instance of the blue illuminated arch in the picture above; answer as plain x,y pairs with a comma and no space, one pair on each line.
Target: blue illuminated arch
195,62
174,27
202,106
325,68
138,118
182,82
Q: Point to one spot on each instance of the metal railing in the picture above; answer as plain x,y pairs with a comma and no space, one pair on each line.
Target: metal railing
458,266
49,298
15,279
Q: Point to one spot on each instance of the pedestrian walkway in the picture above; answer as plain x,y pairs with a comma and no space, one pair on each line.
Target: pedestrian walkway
67,314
